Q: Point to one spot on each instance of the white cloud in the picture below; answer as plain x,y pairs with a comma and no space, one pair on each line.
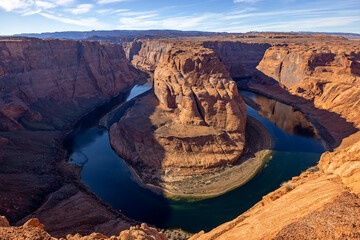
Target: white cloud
80,9
87,22
110,1
63,2
44,4
32,5
130,13
120,10
182,23
30,12
10,5
111,11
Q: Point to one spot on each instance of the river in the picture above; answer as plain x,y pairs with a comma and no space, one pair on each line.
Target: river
296,147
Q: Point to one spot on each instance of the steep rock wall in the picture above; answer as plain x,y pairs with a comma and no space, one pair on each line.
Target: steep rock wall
239,58
39,77
46,85
308,206
192,123
145,54
328,75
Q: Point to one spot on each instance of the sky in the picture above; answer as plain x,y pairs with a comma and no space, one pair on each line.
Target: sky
35,16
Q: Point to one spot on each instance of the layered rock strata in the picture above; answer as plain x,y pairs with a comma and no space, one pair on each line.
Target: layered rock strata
193,122
240,59
144,54
326,74
308,206
46,85
37,77
323,202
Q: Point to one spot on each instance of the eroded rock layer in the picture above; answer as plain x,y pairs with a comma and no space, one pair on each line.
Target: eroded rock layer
46,85
240,59
39,77
327,74
322,203
192,123
33,229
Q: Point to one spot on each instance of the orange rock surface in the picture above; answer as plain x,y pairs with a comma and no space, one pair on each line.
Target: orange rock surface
324,202
192,123
34,230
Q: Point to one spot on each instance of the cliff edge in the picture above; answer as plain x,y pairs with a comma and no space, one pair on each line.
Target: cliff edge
192,123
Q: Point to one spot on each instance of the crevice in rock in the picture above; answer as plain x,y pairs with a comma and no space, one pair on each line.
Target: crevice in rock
199,107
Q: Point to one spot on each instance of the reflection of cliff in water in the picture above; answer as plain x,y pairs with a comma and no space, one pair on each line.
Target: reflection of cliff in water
285,117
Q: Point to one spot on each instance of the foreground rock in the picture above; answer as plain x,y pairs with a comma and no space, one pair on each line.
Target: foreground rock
34,230
193,122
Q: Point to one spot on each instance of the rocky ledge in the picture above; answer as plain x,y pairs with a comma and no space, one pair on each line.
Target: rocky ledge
33,229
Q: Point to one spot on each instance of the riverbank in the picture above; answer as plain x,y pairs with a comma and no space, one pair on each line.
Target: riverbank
256,153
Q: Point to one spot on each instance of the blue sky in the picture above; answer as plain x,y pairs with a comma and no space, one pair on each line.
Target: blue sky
33,16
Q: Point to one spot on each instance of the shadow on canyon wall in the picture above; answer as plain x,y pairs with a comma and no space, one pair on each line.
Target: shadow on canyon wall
330,126
131,134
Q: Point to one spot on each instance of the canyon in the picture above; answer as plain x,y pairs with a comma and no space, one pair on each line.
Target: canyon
318,75
46,86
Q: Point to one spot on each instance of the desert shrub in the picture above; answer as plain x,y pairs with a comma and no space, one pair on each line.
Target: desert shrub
288,185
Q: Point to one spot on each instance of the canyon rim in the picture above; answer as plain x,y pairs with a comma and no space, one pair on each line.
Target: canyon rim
178,134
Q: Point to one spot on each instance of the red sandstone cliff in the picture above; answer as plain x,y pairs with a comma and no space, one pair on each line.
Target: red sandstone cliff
144,54
46,85
33,229
327,74
240,59
193,123
40,77
322,203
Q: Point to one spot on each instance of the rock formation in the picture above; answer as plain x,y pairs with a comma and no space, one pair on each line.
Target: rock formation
33,229
240,59
37,77
326,73
46,85
194,121
323,202
146,54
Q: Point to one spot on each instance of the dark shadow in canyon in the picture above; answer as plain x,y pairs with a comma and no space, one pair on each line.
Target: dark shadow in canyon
330,126
152,207
240,59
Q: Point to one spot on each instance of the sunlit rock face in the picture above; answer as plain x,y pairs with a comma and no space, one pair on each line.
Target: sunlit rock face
193,122
326,73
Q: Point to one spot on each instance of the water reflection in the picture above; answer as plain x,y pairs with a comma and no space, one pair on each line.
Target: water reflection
285,117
